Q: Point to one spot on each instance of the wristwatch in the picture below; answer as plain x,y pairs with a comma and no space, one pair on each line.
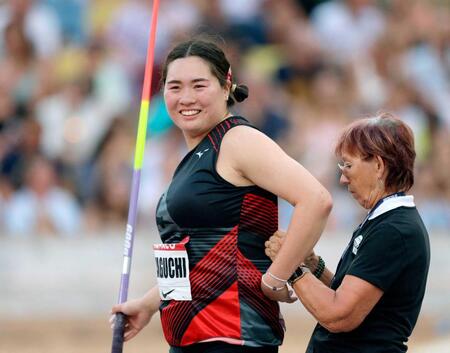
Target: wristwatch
298,273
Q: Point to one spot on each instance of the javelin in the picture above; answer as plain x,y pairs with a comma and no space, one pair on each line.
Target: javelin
119,326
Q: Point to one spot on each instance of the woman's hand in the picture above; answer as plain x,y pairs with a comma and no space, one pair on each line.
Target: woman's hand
283,295
138,316
274,243
312,261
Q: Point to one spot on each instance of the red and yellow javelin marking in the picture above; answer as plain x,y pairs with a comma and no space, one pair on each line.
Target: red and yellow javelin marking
146,92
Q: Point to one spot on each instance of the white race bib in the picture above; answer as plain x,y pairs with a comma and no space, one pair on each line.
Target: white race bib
172,271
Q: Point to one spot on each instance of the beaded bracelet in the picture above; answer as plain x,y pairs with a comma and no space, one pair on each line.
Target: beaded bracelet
275,277
273,288
320,268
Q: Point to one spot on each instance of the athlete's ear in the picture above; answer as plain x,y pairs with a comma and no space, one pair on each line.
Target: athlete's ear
227,89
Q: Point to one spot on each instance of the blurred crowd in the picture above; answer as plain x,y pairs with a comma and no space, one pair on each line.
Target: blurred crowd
71,75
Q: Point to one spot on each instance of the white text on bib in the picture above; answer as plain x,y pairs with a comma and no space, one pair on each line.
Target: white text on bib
172,271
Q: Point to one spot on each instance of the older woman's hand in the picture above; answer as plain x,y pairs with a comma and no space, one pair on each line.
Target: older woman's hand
274,243
312,261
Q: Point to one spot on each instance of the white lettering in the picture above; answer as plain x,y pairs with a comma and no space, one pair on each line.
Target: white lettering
128,239
164,246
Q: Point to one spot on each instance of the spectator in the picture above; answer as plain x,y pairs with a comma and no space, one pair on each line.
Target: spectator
312,66
348,28
41,24
41,206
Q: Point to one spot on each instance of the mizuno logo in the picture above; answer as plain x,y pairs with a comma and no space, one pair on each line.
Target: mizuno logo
200,154
167,293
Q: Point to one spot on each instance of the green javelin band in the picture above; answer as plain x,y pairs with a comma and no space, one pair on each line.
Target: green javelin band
141,135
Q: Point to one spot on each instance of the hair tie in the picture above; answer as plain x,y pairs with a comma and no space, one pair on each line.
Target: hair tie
230,75
233,87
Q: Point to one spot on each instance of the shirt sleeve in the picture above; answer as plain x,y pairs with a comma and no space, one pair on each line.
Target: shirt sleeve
380,257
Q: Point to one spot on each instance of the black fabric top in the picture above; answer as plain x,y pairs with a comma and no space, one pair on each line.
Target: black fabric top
227,227
391,252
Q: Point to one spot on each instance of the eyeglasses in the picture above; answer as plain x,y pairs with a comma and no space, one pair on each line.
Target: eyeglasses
345,166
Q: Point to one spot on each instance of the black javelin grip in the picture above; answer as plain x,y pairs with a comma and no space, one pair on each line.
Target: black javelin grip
119,329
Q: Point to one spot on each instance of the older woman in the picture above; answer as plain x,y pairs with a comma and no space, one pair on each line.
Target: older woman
372,302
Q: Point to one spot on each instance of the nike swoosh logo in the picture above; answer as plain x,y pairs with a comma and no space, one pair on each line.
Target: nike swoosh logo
167,293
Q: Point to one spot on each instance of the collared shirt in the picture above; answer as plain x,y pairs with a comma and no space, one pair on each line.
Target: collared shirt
390,250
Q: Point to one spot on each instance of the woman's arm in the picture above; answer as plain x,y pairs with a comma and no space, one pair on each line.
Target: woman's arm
273,245
338,311
249,157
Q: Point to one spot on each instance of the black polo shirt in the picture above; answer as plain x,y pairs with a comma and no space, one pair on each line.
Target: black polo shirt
391,251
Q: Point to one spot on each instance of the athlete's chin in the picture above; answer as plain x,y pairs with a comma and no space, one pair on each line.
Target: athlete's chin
193,131
189,122
190,126
185,122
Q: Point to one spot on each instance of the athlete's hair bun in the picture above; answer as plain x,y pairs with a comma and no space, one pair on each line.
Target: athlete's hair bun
239,92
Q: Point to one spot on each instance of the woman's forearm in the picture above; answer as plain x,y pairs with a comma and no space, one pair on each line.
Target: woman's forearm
151,299
320,300
307,224
339,310
327,277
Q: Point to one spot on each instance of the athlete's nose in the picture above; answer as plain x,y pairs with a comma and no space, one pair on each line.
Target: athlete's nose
187,97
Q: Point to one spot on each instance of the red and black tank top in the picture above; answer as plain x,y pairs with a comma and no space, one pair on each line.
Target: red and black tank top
227,227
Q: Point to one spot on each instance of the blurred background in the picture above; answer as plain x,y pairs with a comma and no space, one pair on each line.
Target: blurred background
71,75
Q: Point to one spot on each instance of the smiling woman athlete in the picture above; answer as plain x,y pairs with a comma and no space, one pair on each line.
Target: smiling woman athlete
218,211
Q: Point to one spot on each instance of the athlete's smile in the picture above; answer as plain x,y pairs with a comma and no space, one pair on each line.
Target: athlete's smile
190,112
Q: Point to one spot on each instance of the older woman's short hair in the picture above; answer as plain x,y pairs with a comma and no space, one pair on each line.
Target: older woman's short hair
388,137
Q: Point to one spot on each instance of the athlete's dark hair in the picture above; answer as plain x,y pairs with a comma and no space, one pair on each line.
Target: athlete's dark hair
388,137
217,61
